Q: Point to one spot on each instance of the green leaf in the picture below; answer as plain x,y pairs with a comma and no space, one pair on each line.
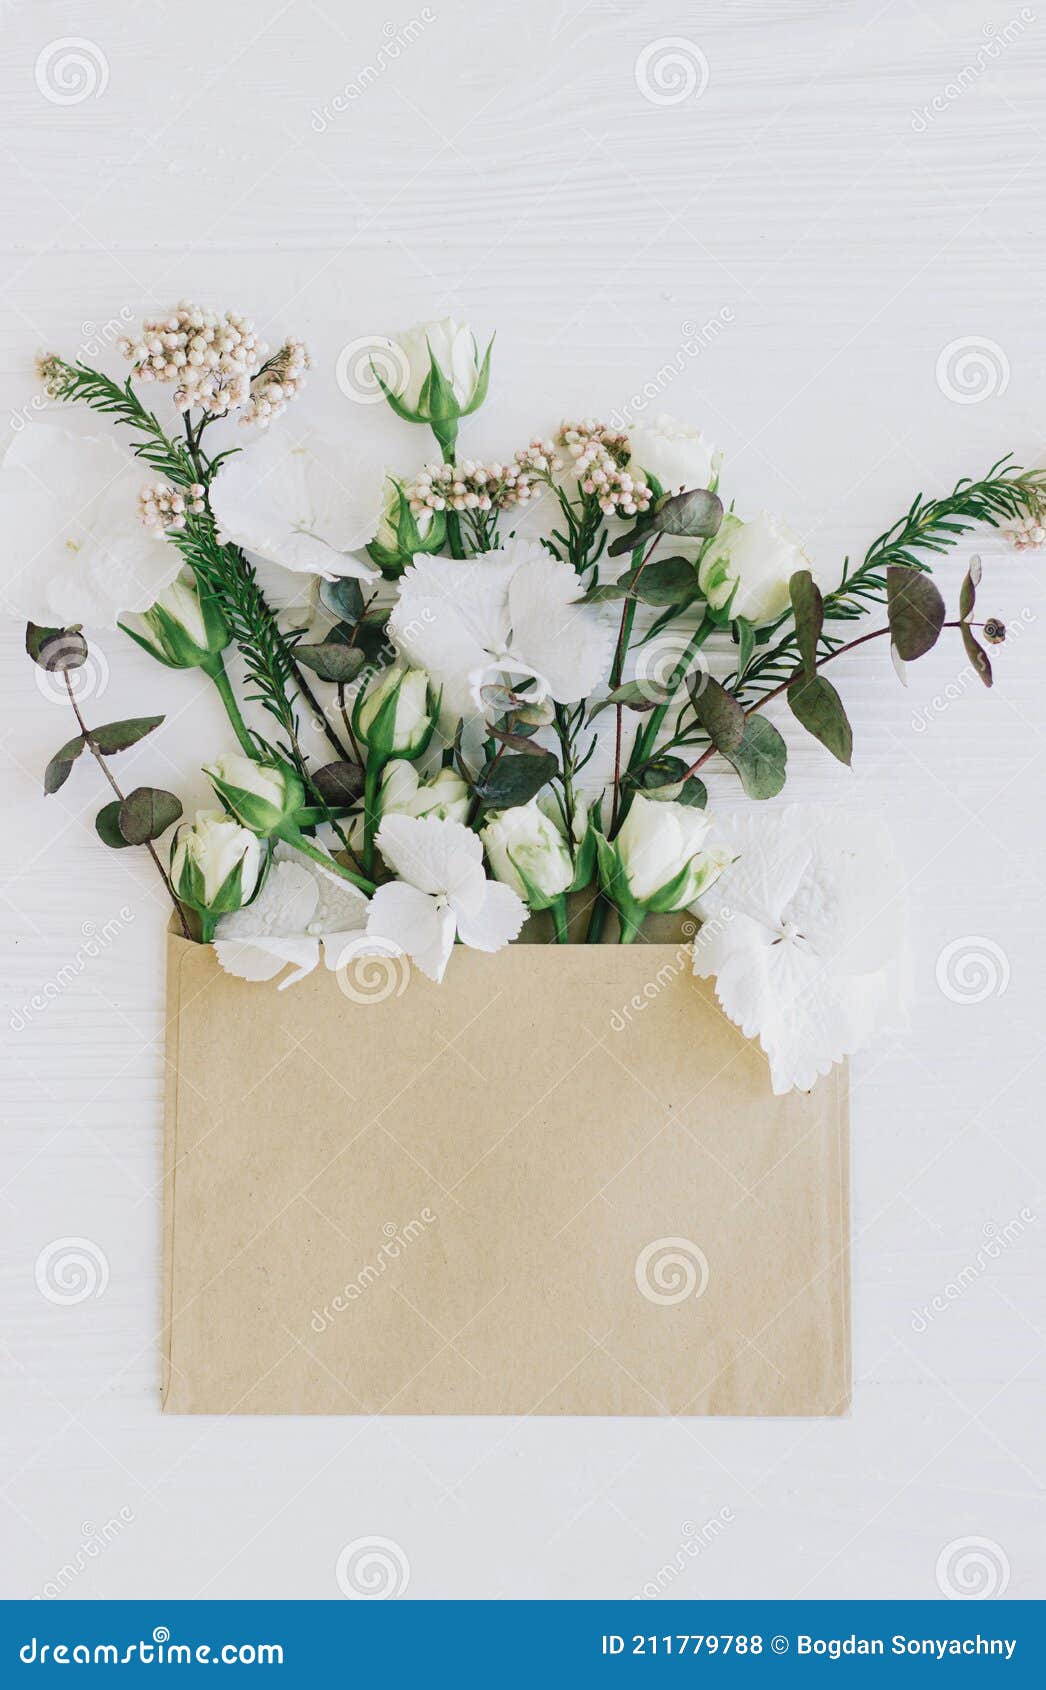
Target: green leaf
343,598
120,736
977,655
696,514
514,780
694,794
107,827
634,695
147,812
668,580
55,649
339,783
60,767
760,758
815,703
660,771
520,741
808,610
744,634
968,590
915,609
332,660
637,537
371,635
718,713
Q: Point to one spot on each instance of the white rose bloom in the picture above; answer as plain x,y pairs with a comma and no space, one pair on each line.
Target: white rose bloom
74,551
300,502
261,794
453,346
404,793
677,454
657,842
526,839
760,556
214,843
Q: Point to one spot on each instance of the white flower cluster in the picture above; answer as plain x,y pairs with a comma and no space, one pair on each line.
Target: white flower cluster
162,506
1026,536
468,486
218,362
599,456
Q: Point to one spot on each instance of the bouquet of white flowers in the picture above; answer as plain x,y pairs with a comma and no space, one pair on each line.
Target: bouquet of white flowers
520,711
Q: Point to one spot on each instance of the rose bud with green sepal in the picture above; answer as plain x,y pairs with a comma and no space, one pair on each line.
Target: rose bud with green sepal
184,629
403,533
264,796
215,866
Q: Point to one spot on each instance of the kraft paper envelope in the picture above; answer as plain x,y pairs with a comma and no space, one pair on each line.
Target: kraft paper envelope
557,1184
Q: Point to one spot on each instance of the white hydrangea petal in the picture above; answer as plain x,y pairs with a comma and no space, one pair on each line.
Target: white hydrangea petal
74,550
414,922
426,851
263,959
804,934
283,908
451,619
495,922
299,502
565,642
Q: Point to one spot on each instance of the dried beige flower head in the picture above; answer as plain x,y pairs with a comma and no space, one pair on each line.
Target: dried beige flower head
162,506
217,361
599,455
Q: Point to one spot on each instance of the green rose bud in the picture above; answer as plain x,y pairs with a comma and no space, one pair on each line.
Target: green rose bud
528,852
215,864
184,629
263,796
658,863
394,716
403,533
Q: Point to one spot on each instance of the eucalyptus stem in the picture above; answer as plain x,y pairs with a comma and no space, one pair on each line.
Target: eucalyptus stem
99,758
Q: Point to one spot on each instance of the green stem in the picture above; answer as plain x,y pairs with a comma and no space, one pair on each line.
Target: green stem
646,739
629,930
557,909
295,837
597,920
453,519
216,670
371,809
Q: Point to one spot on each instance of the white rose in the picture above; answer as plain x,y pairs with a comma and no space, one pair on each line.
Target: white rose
453,345
387,536
205,858
659,842
262,795
527,851
760,557
678,455
404,793
404,732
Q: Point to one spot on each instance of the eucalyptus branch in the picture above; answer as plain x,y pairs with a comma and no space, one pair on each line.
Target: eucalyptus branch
121,797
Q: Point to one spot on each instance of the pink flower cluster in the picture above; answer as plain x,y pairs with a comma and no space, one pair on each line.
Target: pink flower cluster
469,486
162,506
599,457
218,363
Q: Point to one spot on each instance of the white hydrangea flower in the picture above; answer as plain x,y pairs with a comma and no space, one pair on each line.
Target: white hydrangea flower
299,502
301,908
511,615
805,936
73,548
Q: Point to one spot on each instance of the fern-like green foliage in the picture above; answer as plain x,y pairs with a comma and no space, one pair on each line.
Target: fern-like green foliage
79,384
929,526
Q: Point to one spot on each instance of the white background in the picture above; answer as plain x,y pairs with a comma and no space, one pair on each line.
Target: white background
508,166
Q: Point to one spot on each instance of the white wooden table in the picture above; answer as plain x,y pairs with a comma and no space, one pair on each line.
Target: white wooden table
778,236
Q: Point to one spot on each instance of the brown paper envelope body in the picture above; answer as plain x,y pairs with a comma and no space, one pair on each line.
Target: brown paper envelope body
556,1184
